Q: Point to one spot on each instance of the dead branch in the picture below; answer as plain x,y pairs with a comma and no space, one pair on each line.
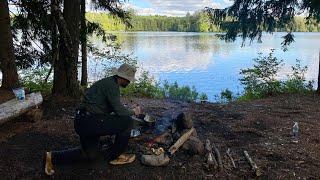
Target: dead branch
216,150
211,160
230,157
253,164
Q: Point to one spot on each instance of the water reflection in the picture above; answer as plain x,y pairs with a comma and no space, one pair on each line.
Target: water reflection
172,52
211,65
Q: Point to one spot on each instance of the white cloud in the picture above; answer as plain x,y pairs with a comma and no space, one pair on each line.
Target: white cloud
173,7
228,2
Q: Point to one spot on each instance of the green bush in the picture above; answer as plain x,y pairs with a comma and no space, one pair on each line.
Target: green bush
260,80
185,93
226,95
296,82
147,86
203,97
35,80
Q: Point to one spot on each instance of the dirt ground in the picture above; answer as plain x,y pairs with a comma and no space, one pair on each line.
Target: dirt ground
262,127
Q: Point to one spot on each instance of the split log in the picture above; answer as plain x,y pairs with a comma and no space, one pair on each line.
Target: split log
217,152
181,141
231,159
253,164
15,108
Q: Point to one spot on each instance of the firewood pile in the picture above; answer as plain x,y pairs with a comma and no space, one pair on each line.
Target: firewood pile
181,135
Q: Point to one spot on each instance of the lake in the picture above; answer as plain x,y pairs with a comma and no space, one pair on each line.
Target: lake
212,65
207,63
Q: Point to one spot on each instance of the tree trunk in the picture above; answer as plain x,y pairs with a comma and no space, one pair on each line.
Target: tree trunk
318,89
7,60
84,71
55,41
66,73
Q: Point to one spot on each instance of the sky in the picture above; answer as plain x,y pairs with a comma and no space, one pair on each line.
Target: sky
173,7
165,7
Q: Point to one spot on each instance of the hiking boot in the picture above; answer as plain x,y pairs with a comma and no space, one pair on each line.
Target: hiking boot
123,159
47,164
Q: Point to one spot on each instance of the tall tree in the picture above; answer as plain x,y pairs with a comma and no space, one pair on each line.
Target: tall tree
65,80
7,59
54,38
83,39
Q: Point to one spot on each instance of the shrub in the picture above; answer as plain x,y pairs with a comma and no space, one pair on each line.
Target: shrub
185,93
296,82
147,86
35,80
260,80
226,95
203,97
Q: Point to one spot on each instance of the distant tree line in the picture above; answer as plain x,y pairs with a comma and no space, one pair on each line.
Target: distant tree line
198,22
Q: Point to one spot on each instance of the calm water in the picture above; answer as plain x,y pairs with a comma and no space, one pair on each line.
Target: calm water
209,64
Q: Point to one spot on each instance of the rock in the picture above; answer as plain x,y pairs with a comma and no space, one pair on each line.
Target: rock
194,146
154,160
184,121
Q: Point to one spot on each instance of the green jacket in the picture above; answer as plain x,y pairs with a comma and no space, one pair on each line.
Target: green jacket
103,97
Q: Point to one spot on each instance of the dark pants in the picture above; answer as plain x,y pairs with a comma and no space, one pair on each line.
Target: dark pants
90,127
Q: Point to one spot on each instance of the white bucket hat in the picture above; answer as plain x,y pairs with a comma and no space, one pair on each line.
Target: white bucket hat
125,71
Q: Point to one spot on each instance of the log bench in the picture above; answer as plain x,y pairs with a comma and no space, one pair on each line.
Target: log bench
28,108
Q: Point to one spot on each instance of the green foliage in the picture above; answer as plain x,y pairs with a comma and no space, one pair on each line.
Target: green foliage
261,80
248,19
147,86
226,95
296,82
35,80
203,97
107,21
185,93
199,22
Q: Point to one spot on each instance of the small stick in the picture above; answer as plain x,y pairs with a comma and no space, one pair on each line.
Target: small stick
231,159
253,164
216,150
211,160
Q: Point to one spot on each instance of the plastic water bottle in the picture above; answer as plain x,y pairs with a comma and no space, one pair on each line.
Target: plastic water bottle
295,132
